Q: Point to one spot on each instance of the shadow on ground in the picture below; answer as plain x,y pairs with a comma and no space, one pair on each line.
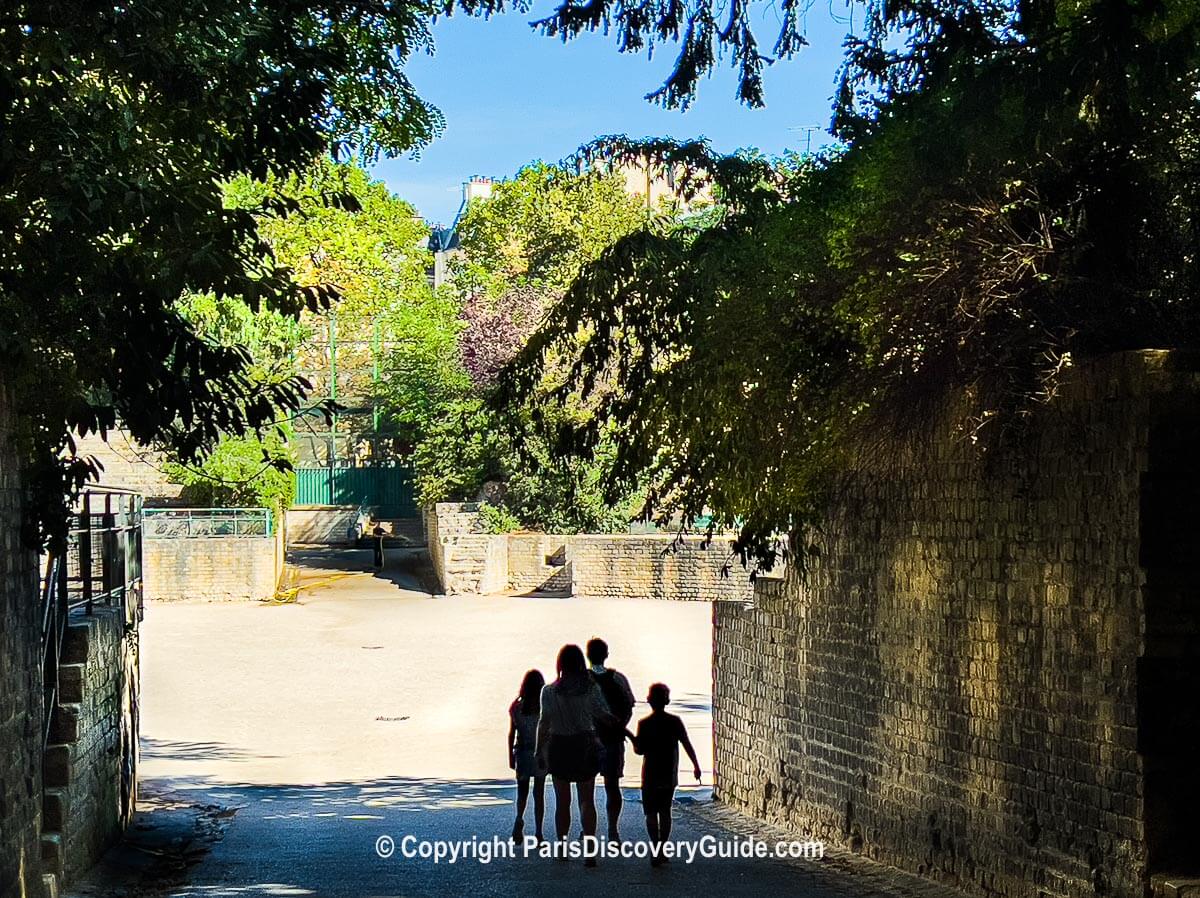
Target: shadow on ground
408,568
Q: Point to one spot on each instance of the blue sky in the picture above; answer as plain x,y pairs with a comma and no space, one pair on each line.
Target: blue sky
511,96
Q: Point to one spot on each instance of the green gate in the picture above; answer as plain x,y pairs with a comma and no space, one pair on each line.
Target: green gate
389,491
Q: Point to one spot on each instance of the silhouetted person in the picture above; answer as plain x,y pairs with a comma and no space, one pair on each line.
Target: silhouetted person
566,738
658,738
377,536
619,698
523,716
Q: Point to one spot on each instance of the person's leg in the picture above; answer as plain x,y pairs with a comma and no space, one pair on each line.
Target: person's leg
613,801
664,823
562,808
522,801
587,806
664,818
587,812
652,828
539,804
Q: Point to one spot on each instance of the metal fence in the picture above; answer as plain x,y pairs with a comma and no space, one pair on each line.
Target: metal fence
183,523
390,491
102,565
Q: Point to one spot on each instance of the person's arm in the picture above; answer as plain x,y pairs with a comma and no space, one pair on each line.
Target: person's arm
512,740
636,740
543,727
623,681
691,752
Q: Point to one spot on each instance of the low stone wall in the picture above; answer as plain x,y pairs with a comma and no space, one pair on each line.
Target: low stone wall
324,525
465,559
91,765
988,674
642,566
212,569
537,562
653,566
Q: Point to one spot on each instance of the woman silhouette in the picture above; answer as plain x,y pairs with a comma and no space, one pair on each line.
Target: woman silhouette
566,740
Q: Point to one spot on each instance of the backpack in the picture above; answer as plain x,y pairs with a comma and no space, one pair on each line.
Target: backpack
614,695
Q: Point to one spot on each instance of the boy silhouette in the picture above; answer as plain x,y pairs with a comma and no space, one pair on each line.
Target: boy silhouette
658,738
619,696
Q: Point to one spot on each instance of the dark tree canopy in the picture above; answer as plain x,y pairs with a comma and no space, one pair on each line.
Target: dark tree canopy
1018,187
119,124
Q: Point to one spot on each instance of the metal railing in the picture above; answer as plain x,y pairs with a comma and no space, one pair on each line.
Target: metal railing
102,565
182,523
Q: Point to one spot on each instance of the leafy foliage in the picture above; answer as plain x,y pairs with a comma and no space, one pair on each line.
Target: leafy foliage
343,228
519,251
1019,187
351,231
118,126
241,472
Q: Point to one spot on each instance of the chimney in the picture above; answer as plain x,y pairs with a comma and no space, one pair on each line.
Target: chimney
478,188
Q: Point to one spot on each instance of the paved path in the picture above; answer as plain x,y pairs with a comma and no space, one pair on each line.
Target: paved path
371,708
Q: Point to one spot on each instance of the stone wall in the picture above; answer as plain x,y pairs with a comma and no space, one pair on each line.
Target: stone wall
643,566
465,559
92,760
20,685
130,466
653,566
325,525
954,686
537,562
213,568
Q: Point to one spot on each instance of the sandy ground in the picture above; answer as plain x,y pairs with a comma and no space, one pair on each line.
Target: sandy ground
301,735
365,678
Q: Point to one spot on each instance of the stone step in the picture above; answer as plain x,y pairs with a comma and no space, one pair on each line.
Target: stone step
76,639
55,804
52,854
1165,885
64,725
71,683
56,766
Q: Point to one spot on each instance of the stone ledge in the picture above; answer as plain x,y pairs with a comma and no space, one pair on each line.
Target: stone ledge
1164,885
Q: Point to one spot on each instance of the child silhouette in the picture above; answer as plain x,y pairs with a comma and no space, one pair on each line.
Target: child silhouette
658,738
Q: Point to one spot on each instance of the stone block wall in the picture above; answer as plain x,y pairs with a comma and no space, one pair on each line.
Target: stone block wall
652,566
642,566
20,684
465,559
95,728
131,466
953,687
537,562
325,525
212,569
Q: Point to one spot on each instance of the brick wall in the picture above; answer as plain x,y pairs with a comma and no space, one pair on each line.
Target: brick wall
643,566
20,685
465,559
321,524
212,569
93,754
651,566
953,688
537,562
131,466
